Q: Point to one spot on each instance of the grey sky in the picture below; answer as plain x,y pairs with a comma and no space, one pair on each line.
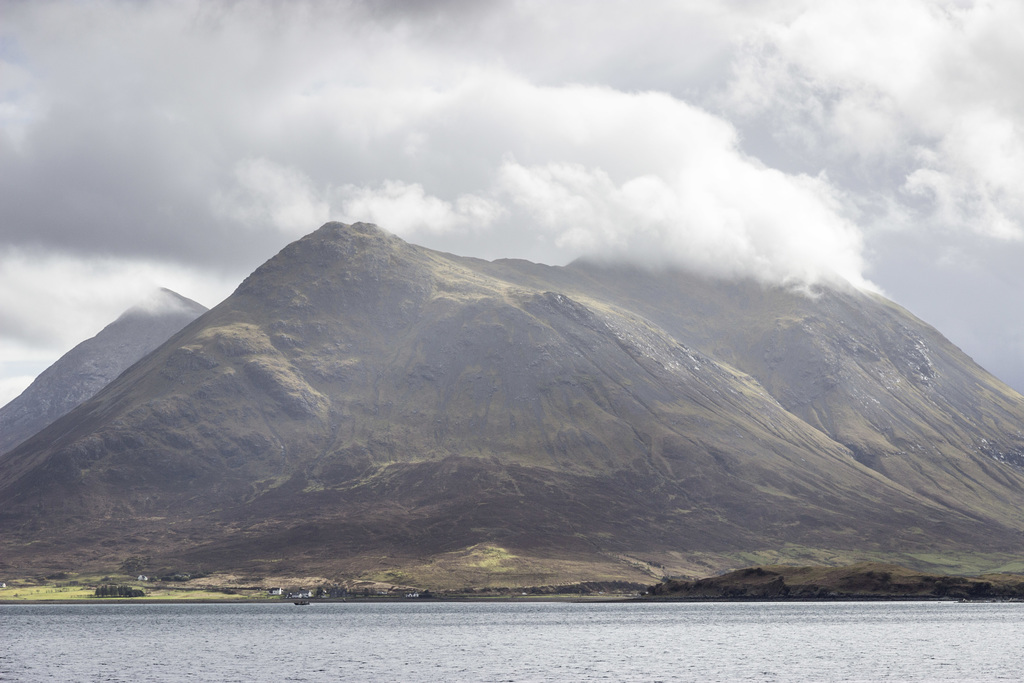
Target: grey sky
181,144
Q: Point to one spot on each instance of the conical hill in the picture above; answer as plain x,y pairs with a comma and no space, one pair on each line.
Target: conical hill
365,407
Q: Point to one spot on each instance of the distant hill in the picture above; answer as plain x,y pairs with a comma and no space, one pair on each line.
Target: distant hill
364,407
91,365
866,581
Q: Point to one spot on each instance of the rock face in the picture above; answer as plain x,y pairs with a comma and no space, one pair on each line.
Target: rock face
365,407
90,366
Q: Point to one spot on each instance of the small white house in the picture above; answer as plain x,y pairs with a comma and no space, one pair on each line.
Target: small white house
275,591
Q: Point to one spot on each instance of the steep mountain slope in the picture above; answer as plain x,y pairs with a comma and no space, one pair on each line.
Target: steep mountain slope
91,365
360,404
855,366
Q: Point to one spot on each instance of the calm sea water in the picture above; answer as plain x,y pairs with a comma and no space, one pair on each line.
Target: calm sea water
513,641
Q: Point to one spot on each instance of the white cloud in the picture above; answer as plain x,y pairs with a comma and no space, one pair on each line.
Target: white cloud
19,103
11,386
50,302
210,134
762,224
268,194
930,87
406,209
326,112
585,169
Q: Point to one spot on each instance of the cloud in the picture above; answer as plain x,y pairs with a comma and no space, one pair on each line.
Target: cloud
784,140
18,105
12,384
271,195
592,170
256,122
405,209
574,169
762,224
927,90
50,301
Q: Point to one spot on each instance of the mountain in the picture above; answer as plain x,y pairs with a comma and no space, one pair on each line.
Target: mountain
90,366
363,407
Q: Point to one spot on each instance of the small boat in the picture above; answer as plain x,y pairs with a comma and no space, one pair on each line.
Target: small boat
302,602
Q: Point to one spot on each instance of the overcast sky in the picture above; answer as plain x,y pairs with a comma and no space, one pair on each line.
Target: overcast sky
181,144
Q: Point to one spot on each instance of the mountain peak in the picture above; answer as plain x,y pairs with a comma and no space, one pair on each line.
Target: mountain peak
165,302
360,228
365,235
88,367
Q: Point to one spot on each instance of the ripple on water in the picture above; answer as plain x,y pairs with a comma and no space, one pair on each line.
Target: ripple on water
513,641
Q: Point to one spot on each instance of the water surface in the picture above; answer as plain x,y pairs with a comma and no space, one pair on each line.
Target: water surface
513,641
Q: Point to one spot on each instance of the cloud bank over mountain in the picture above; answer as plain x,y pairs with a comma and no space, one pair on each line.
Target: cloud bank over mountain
182,144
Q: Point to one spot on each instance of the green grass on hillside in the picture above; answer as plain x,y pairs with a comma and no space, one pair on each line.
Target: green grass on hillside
83,587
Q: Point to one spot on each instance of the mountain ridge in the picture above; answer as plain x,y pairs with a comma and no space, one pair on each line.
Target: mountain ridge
363,405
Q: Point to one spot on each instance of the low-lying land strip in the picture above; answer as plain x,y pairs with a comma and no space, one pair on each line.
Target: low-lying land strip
866,581
64,588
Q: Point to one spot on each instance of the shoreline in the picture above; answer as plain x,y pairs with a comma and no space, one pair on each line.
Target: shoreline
521,599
